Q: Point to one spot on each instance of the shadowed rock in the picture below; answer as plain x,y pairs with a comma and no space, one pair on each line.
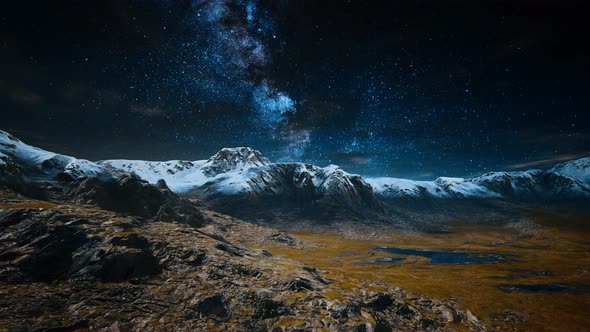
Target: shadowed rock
115,264
299,284
130,194
348,310
214,306
264,305
42,252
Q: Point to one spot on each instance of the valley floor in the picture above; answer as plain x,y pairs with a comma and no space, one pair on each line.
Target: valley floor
541,281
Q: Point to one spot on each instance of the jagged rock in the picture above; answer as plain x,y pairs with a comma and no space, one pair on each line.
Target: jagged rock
214,306
471,318
264,305
176,209
82,325
230,248
194,258
12,176
130,194
53,253
299,284
44,251
348,310
380,302
284,238
11,217
126,193
129,240
367,327
381,324
404,310
115,264
315,274
428,324
161,184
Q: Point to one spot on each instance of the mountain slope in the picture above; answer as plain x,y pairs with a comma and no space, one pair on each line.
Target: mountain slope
43,174
41,163
218,176
566,180
244,175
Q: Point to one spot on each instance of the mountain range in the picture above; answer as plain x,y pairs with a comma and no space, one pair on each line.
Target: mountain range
242,179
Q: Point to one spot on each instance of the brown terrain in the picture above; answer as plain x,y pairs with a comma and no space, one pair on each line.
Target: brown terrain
555,252
72,267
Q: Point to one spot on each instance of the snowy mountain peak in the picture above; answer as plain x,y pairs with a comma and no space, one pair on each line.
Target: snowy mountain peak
576,169
15,148
244,171
6,136
46,162
228,159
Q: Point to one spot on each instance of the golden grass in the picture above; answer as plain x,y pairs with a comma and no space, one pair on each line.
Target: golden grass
28,205
565,251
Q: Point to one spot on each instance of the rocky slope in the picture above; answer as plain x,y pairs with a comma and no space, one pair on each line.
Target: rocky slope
89,246
42,174
71,267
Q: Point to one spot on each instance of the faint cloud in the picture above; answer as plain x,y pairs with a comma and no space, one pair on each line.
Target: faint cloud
20,95
357,158
74,94
109,97
148,111
25,96
424,175
549,161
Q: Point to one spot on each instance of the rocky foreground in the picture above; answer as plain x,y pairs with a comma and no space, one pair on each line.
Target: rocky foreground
68,266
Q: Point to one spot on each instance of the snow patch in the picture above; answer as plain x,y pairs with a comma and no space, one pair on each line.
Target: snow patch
578,169
49,162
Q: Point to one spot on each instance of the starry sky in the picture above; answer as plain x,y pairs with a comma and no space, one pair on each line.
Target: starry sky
414,89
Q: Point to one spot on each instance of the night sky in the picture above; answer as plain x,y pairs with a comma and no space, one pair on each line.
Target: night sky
414,89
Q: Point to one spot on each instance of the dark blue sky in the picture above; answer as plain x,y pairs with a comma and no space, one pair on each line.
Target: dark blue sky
419,89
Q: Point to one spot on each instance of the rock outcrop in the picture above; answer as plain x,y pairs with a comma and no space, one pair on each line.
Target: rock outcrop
72,267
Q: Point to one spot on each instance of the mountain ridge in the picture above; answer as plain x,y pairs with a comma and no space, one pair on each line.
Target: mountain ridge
246,173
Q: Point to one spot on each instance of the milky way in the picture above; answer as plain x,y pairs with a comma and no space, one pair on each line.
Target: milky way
404,89
238,36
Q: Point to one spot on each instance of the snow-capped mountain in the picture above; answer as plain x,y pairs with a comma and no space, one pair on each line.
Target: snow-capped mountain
181,176
236,172
569,179
38,163
35,172
244,173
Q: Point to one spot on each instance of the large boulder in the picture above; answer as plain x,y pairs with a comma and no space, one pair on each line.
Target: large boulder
128,193
38,248
114,264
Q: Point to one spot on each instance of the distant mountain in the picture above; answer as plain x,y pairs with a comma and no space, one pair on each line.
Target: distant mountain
36,172
247,179
566,180
243,173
